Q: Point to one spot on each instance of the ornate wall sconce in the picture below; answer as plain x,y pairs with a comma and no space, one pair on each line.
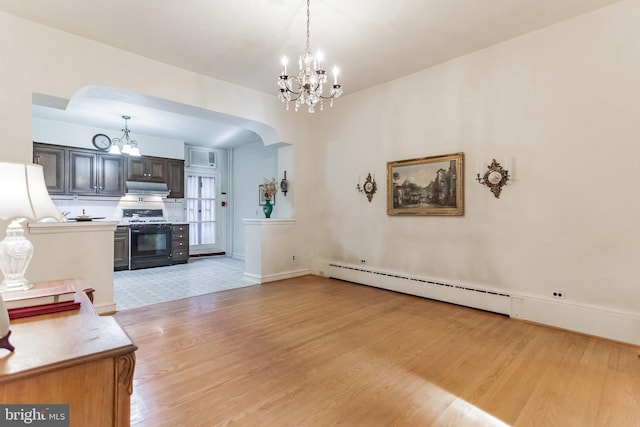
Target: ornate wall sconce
495,178
369,188
284,184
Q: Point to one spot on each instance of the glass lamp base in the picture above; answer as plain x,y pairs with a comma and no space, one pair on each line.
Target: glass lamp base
20,284
15,254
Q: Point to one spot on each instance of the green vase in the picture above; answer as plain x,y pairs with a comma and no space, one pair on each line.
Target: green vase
267,208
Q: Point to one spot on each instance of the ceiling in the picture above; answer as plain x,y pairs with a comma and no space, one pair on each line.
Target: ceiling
242,42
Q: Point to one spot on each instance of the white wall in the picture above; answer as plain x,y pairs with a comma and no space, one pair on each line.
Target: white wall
563,104
251,164
85,251
271,250
286,165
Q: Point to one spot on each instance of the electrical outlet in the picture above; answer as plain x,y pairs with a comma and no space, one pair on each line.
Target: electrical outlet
293,258
558,294
363,261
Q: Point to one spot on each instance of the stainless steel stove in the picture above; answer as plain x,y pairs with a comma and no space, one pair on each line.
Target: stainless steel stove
150,238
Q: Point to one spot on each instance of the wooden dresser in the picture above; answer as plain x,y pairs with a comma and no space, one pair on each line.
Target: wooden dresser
75,357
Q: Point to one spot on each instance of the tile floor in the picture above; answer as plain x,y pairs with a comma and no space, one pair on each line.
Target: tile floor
137,288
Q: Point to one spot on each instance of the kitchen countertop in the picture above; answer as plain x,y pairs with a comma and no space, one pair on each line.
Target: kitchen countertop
70,226
126,224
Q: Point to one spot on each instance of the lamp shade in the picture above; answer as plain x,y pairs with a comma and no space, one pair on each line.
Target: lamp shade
23,193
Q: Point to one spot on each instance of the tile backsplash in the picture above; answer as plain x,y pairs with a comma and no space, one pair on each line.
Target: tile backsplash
111,208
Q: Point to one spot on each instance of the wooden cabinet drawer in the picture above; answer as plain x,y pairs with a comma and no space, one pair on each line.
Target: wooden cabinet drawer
180,243
179,236
180,228
179,255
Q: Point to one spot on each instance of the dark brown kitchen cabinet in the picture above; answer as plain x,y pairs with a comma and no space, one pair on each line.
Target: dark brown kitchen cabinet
86,172
179,243
147,168
92,173
121,248
175,178
52,159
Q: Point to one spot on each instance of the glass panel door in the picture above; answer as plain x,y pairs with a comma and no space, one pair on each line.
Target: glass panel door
201,213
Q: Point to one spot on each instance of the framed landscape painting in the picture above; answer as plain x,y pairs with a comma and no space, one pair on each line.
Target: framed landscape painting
426,186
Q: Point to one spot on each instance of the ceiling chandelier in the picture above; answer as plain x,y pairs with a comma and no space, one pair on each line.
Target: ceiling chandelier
124,144
307,86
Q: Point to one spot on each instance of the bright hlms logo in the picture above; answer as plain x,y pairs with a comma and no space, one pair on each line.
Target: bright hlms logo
26,416
36,415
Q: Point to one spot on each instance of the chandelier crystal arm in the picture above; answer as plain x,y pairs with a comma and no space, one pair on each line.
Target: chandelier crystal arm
308,49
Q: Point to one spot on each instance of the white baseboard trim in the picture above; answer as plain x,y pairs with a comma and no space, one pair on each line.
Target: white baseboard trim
255,278
237,255
596,321
105,308
251,278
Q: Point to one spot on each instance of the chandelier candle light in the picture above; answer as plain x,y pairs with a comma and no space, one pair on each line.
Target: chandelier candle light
307,87
124,144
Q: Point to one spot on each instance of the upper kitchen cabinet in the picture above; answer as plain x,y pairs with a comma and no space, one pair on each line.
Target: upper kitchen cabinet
52,160
175,178
93,173
146,168
85,172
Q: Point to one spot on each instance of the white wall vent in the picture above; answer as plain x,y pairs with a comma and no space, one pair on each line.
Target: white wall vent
201,158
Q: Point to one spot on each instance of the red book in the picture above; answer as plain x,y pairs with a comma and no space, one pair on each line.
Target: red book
20,312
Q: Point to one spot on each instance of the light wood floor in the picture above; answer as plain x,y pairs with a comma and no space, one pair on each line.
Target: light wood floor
318,352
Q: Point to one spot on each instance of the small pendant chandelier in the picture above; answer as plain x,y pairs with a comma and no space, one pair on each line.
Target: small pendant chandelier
124,144
307,86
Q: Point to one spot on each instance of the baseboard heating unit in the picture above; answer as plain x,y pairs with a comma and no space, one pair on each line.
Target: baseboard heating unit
459,294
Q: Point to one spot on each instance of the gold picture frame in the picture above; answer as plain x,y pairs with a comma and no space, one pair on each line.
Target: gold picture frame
427,186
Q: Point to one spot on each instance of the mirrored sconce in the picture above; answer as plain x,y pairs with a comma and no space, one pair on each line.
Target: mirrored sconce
495,178
369,188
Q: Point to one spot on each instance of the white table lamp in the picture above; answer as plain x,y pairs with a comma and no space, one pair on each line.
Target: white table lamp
23,195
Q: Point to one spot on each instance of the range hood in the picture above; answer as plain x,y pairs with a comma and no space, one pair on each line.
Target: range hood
143,188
